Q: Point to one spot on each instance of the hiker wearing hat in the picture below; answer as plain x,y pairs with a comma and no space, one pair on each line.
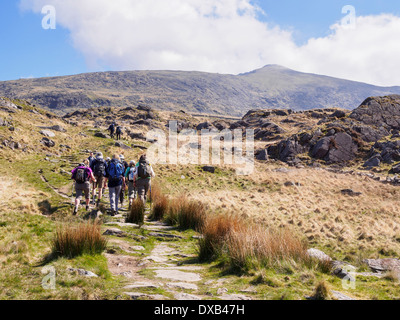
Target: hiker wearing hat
130,177
144,173
99,171
82,175
116,182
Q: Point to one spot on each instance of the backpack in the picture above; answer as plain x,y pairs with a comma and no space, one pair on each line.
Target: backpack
81,175
115,170
99,167
144,170
131,174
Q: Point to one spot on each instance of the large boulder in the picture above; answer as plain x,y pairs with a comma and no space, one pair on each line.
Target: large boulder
289,149
339,147
344,148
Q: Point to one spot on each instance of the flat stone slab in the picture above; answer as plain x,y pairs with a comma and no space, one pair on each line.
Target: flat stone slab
122,224
185,296
137,295
383,265
177,275
159,228
182,285
341,296
234,297
48,133
114,232
140,285
164,235
156,258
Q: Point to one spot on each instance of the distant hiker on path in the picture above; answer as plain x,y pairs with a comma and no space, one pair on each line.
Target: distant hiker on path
111,128
118,132
143,174
82,175
116,181
130,177
98,167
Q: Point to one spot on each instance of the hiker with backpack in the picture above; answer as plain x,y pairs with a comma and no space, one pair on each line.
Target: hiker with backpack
118,132
125,164
111,128
130,177
116,181
82,175
98,167
144,173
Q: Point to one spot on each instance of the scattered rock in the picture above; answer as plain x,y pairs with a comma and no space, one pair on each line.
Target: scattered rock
350,192
164,235
114,232
383,265
83,272
318,254
47,142
182,285
209,169
122,146
48,133
102,135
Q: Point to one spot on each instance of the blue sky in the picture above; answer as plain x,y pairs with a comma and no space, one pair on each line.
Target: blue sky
30,51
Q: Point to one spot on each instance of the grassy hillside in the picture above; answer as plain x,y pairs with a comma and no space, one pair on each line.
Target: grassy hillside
35,200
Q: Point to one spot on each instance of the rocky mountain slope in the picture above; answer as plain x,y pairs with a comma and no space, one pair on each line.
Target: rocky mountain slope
327,175
197,92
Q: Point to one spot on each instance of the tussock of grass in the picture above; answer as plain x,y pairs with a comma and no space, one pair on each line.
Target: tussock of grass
215,231
246,245
136,214
322,292
72,241
160,208
187,214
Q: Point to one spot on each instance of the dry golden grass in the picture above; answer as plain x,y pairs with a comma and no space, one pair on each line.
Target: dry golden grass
248,245
136,214
70,241
317,208
16,195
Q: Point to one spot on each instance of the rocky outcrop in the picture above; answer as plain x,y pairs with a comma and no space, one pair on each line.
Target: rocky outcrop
379,112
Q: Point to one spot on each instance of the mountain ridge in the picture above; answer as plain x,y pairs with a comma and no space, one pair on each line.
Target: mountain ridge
271,86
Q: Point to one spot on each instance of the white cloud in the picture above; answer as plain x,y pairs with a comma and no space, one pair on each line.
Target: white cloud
221,36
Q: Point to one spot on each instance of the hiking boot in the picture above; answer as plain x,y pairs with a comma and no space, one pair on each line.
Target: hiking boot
87,208
75,211
98,203
113,213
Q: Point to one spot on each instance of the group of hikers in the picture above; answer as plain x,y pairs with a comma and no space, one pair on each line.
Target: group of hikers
116,174
114,128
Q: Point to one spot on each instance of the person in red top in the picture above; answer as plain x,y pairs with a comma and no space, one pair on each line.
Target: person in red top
82,175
